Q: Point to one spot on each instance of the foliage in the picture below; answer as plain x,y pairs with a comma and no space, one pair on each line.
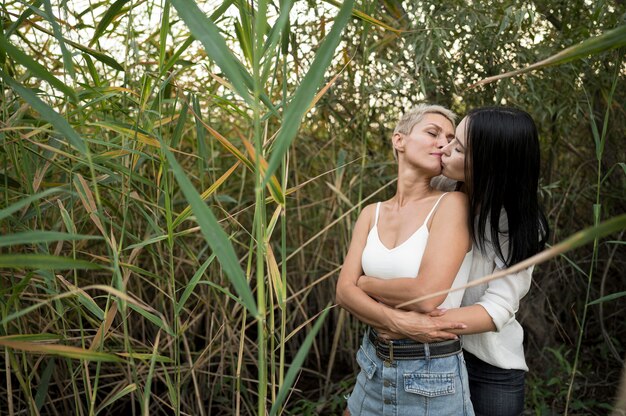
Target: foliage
155,126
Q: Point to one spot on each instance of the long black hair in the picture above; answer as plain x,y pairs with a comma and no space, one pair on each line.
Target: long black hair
502,172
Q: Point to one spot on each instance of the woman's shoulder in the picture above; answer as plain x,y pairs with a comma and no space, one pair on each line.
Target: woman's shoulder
369,209
368,213
454,199
452,207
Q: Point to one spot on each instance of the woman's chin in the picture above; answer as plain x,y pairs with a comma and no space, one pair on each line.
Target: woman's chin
451,175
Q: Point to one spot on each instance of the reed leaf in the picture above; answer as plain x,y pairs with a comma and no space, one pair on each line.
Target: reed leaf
113,12
148,386
11,209
84,298
193,282
174,58
61,350
6,180
296,364
104,327
102,57
366,18
146,356
305,92
277,29
214,236
220,289
607,298
126,390
245,40
612,39
180,125
269,230
32,337
36,237
165,120
156,320
215,46
205,195
68,63
130,131
35,68
226,143
47,113
176,55
576,240
27,13
273,185
44,382
165,28
45,262
274,273
3,56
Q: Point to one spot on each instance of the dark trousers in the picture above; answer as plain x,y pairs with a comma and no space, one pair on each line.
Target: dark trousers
494,391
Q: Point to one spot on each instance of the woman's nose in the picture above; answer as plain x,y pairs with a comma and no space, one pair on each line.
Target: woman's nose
441,141
446,149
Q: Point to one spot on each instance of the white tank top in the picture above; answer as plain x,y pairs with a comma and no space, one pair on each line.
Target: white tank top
404,260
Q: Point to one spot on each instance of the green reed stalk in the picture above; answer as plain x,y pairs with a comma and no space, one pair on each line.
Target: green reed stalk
131,367
168,191
283,229
259,215
599,139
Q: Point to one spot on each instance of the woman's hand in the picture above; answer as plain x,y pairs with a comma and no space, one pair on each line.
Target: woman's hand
424,327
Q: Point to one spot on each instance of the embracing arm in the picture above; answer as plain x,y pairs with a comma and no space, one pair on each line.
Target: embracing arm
499,302
347,294
367,310
474,316
502,296
497,305
448,242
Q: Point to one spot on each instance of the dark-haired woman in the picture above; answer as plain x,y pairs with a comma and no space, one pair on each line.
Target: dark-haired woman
495,157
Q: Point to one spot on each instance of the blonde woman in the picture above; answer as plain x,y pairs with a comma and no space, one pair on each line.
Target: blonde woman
403,240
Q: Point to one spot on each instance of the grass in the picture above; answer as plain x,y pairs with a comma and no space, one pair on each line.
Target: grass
173,216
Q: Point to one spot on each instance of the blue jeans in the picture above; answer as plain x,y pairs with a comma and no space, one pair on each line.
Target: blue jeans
495,391
435,386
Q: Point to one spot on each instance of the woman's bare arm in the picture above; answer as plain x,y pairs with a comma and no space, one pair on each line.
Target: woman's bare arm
448,242
372,312
474,316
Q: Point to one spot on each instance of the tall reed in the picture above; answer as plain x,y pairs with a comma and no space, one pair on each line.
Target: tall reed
177,197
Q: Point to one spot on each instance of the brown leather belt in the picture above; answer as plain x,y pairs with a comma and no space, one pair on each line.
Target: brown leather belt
389,350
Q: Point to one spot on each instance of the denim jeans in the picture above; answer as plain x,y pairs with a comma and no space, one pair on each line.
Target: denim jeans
426,386
495,391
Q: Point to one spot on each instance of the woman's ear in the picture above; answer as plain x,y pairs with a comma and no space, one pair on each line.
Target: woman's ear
397,140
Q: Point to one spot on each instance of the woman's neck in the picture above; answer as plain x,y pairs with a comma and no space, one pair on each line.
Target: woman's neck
412,186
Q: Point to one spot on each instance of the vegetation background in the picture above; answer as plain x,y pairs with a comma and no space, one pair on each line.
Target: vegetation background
122,292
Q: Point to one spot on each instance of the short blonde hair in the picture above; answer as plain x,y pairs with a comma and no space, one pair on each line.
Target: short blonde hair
415,115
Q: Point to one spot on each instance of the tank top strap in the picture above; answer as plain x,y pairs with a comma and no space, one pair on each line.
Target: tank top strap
376,217
434,208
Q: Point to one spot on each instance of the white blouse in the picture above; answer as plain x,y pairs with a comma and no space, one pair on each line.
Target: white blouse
500,298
